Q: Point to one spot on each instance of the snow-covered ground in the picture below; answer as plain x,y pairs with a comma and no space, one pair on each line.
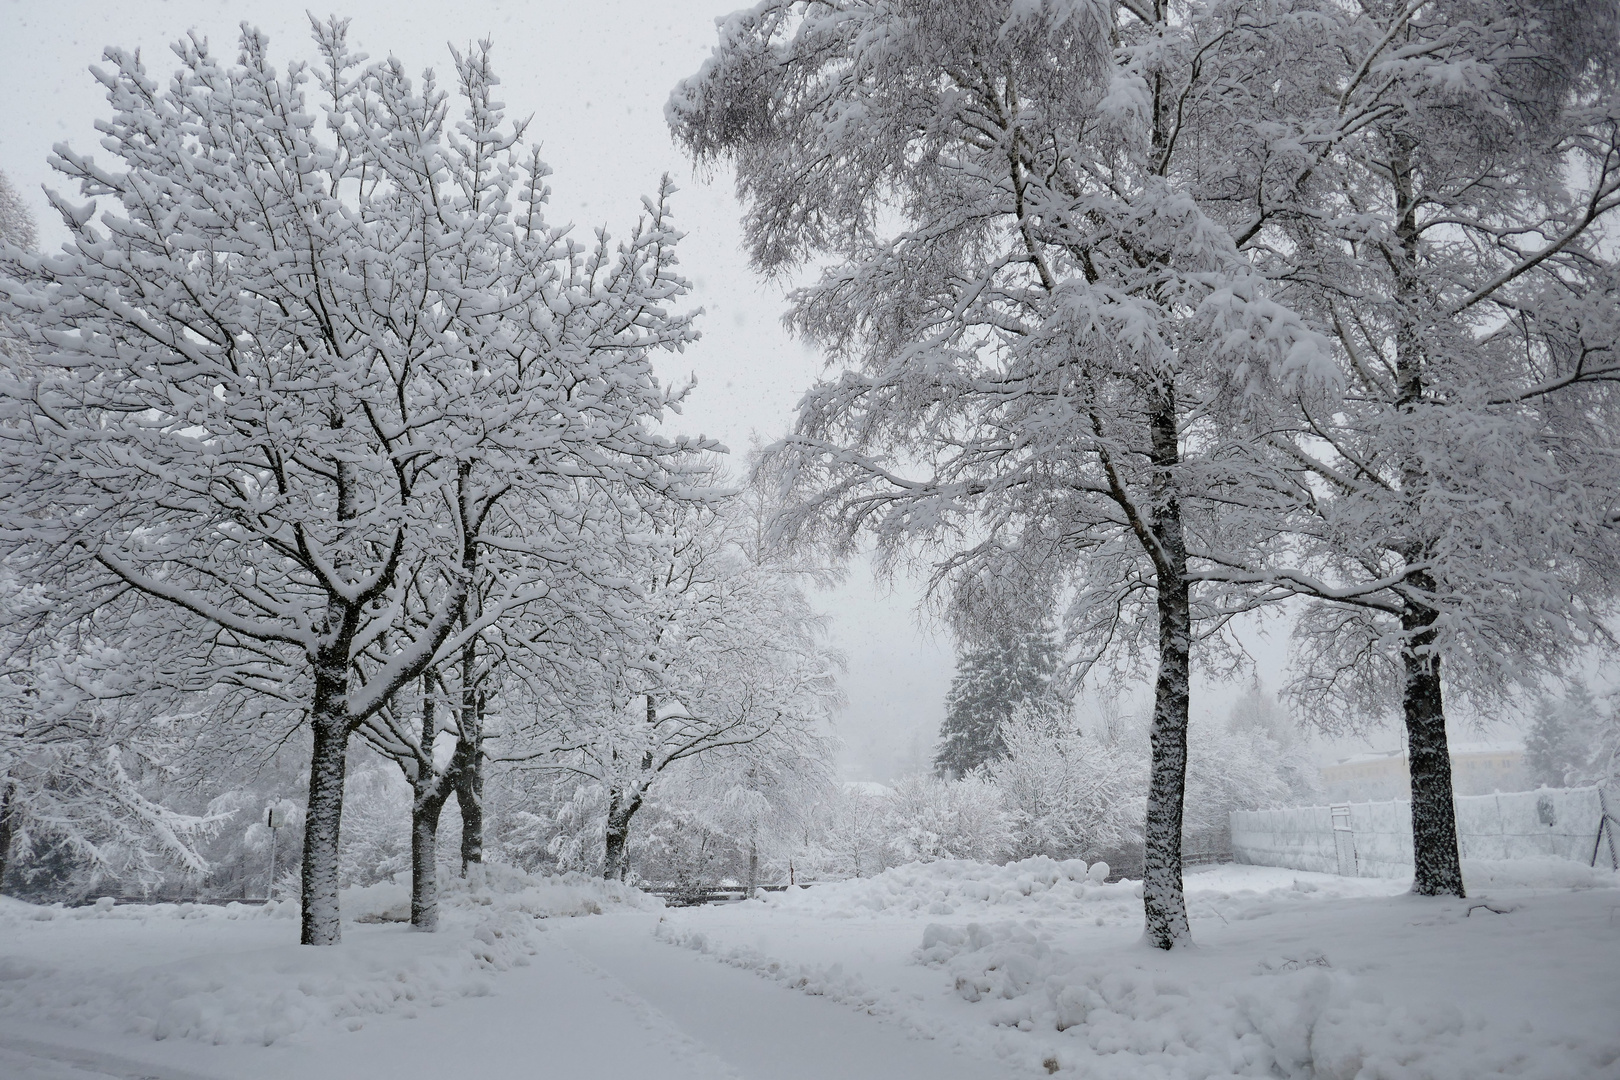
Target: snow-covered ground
1040,969
950,971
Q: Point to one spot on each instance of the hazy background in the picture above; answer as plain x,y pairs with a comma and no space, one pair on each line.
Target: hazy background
594,74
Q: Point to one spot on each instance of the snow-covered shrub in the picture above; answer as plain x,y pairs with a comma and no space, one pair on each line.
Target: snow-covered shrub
849,835
376,826
1067,795
930,818
1231,770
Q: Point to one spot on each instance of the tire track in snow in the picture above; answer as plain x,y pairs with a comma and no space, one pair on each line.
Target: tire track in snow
29,1059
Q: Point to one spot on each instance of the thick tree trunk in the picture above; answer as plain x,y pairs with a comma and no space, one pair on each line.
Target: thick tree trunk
323,817
8,807
1437,870
470,798
1436,866
425,810
1163,904
622,806
469,773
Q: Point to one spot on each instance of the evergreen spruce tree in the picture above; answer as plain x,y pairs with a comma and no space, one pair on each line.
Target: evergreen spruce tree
1011,671
1562,736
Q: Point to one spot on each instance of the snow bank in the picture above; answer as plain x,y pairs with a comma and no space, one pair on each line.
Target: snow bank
1042,887
1296,1018
1297,975
949,885
501,888
1535,874
232,974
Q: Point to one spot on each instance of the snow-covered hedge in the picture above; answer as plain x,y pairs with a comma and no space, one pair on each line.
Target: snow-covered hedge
947,885
501,888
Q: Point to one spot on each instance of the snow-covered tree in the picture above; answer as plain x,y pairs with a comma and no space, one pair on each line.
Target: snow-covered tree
1068,794
17,227
851,835
721,653
1055,347
1433,184
1257,710
286,383
1571,739
89,734
1009,673
1232,769
761,797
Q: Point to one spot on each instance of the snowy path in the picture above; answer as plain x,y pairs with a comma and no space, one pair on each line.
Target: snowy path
600,999
764,1031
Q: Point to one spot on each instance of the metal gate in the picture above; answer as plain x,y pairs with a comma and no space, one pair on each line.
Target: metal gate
1344,840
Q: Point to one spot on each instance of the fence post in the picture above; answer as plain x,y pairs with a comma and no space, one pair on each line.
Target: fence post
1606,822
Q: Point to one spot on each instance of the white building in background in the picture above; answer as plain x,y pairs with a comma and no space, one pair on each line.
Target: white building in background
1475,770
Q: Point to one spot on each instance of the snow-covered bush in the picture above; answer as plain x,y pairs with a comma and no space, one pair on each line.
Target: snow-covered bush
930,818
850,834
1067,795
1232,770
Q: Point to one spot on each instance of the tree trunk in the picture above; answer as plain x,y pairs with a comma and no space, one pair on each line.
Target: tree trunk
470,798
1436,866
8,808
753,868
425,810
469,774
323,817
1163,904
622,806
1437,870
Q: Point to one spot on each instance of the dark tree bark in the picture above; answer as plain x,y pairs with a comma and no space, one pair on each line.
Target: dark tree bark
426,807
8,810
622,806
623,802
1164,905
1436,865
1437,868
470,799
323,815
469,780
431,789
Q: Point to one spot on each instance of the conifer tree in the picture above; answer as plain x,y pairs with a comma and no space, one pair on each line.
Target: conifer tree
994,681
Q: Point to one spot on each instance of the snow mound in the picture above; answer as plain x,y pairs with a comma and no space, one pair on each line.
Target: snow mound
14,911
1535,874
231,974
1040,887
1296,1018
265,994
950,885
501,888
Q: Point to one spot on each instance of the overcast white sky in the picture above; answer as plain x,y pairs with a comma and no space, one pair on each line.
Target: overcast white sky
595,75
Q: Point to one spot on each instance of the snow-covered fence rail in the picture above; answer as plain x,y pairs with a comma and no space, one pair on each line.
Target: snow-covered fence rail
1560,823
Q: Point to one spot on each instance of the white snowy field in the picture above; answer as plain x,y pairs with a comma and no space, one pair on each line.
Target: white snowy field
949,971
1294,974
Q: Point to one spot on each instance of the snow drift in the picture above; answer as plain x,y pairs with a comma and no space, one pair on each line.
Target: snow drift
231,974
